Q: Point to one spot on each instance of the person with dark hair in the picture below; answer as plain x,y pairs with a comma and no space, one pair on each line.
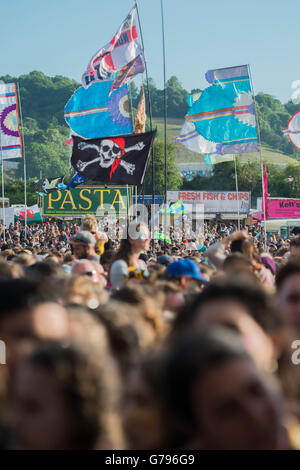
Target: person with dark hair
29,315
295,246
219,396
242,305
236,262
288,288
127,264
64,397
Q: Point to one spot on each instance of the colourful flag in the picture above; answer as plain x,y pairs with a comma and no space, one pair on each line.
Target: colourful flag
293,129
175,209
162,237
140,118
122,49
46,186
10,137
129,70
93,113
33,215
120,160
76,181
193,141
224,114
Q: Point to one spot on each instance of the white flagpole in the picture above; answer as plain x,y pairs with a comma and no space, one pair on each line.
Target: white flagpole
237,193
2,176
24,160
260,153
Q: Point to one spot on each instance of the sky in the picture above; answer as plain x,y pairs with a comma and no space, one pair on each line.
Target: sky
59,37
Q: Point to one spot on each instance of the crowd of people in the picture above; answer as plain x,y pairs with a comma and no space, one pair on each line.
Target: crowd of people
132,343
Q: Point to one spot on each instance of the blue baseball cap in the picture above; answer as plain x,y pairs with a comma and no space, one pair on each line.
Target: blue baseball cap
185,267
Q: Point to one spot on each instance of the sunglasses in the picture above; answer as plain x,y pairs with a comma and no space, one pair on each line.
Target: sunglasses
90,273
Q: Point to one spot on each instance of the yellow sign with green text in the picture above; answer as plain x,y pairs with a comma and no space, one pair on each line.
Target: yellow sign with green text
97,200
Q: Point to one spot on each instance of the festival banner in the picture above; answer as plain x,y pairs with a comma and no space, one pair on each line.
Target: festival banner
283,208
214,201
96,200
93,113
121,50
120,160
10,137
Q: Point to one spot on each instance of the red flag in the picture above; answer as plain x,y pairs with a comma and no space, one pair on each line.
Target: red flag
264,202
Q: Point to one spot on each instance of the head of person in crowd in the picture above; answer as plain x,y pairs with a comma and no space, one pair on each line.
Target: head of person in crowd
173,297
242,305
106,260
90,224
84,246
64,397
29,315
295,247
84,267
150,309
128,265
10,271
187,274
45,270
165,260
82,290
130,334
145,423
136,240
236,262
219,396
288,288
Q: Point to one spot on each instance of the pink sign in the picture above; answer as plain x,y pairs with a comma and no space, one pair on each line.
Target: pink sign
283,208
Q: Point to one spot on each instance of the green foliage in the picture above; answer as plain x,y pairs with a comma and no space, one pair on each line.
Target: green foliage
43,100
174,180
14,190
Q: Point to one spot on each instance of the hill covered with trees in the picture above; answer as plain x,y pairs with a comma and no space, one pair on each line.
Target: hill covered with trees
45,130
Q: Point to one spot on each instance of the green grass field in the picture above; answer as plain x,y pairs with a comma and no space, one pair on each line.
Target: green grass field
185,156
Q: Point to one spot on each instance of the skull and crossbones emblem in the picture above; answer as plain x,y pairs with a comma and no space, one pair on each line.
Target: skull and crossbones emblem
110,153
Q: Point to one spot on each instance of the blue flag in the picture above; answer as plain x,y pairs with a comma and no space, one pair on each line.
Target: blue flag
76,181
92,113
224,113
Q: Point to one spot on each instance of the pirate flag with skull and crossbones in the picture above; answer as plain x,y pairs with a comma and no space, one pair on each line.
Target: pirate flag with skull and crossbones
117,159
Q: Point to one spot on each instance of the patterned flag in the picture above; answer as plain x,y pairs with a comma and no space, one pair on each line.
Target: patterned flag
123,48
140,118
120,160
46,186
129,70
224,113
76,181
10,137
293,130
92,113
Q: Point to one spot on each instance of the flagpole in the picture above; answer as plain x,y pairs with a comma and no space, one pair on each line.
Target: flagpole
260,153
2,175
150,108
237,193
24,160
165,106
